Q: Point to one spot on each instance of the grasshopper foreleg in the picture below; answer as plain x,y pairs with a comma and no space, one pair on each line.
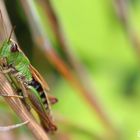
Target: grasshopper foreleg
6,71
3,62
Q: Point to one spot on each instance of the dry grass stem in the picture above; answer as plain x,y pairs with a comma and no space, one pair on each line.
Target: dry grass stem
20,110
122,12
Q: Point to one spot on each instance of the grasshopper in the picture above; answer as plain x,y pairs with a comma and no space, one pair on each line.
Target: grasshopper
25,77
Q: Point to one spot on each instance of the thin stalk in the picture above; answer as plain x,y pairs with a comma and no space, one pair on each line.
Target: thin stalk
5,22
59,35
11,127
122,12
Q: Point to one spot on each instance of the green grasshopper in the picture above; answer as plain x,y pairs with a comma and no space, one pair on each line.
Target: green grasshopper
25,77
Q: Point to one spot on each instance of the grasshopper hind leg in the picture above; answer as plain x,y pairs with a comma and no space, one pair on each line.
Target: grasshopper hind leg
24,99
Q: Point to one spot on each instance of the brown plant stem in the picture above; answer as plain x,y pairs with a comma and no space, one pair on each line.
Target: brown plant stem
15,103
59,35
122,12
20,110
41,39
6,22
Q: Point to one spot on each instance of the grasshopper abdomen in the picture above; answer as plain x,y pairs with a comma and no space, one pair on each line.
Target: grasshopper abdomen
41,92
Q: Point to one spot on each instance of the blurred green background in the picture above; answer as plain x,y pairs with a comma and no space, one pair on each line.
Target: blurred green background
100,40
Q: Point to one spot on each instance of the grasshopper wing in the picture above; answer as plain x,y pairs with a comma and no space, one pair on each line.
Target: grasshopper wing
45,119
36,75
44,116
39,78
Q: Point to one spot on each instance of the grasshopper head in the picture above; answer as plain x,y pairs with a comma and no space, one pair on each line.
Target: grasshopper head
9,49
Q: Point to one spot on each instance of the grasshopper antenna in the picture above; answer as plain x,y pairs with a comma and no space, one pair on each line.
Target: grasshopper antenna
13,28
5,31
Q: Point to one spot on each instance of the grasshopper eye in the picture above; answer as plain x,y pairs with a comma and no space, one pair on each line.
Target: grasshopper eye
14,48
